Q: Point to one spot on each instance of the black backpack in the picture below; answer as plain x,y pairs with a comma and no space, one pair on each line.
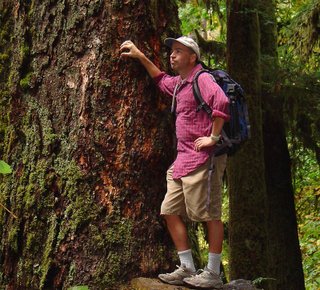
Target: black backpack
237,130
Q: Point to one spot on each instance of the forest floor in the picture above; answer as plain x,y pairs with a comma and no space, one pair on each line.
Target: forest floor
153,284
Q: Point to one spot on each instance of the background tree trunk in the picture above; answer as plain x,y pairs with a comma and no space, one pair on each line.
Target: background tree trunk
285,256
89,139
247,191
280,251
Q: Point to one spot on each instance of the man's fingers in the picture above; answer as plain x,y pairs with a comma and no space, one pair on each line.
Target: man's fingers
126,42
199,139
125,54
198,143
128,49
197,148
125,47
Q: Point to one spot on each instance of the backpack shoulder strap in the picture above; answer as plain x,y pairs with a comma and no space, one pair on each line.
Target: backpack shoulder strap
197,94
173,102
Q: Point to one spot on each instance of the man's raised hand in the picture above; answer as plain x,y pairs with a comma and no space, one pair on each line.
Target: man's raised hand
128,49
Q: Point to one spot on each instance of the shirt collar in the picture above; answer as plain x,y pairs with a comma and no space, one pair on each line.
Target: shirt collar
191,75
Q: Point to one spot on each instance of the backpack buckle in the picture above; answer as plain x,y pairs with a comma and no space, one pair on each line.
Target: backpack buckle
231,88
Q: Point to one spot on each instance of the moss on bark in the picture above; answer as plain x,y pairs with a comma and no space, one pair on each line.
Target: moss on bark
88,138
247,190
284,248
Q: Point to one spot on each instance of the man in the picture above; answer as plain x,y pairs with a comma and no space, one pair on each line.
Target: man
189,178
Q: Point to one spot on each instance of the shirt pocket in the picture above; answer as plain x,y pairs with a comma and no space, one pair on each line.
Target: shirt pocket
187,107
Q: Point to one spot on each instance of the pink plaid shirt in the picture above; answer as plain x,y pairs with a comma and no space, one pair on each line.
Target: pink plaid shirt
190,124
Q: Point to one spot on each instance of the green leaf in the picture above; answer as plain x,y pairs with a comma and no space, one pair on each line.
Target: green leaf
4,167
81,287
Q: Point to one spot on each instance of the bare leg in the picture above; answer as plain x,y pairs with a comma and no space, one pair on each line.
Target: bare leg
178,232
215,236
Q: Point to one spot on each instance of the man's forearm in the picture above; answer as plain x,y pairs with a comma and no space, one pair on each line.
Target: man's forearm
217,125
151,68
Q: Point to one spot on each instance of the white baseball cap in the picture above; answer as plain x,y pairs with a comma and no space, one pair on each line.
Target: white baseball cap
186,41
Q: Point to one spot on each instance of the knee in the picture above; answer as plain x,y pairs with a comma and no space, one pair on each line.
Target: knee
169,217
166,218
172,220
215,222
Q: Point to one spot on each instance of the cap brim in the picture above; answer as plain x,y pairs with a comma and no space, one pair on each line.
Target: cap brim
169,41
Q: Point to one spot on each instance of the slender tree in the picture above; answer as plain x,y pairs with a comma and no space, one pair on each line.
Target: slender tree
89,140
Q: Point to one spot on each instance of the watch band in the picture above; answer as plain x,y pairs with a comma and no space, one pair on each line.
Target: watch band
215,138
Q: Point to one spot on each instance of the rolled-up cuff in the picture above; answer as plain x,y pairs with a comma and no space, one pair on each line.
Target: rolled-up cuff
158,78
219,114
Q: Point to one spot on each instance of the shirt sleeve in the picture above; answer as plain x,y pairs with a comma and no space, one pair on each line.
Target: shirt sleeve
166,83
214,96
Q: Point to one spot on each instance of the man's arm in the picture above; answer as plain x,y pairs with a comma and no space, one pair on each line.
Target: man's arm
219,103
217,125
202,142
128,49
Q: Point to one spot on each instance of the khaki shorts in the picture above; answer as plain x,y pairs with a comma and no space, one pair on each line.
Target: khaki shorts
197,195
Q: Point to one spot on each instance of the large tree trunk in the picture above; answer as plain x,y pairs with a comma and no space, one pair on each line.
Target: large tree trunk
89,139
247,191
285,256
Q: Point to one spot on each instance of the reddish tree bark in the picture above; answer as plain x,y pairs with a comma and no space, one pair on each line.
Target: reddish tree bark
89,139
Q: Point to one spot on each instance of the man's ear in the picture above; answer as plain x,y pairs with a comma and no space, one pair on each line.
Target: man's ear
194,58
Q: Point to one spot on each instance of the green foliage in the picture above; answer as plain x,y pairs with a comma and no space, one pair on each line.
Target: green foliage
24,50
79,288
25,82
299,31
299,48
188,23
259,281
306,174
206,22
206,17
310,244
4,167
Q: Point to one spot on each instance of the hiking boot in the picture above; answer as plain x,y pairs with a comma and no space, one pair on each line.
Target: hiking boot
206,279
177,276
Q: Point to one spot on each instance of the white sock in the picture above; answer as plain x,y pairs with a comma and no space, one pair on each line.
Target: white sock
186,259
214,262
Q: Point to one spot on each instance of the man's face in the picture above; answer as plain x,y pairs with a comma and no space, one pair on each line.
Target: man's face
181,58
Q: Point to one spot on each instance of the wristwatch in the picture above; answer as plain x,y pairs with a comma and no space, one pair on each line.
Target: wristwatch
215,138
